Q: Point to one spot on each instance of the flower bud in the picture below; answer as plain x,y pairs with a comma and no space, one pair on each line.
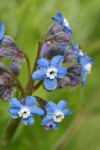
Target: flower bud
9,43
69,57
15,68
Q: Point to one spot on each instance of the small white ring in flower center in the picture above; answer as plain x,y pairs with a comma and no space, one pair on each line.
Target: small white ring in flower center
51,72
66,22
58,116
88,68
24,112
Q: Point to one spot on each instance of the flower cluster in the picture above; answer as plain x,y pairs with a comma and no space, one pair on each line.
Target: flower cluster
60,63
52,114
58,49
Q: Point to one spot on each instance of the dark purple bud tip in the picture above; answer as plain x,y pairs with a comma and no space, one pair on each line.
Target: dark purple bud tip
44,50
75,81
1,52
69,57
48,127
15,68
67,37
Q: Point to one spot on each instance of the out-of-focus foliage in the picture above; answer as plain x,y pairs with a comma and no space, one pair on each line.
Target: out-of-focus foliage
27,22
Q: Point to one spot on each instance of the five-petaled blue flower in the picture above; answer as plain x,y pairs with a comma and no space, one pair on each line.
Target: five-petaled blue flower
55,114
64,23
86,64
2,30
27,111
50,71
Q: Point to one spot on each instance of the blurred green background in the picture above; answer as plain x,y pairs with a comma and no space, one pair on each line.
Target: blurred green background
27,21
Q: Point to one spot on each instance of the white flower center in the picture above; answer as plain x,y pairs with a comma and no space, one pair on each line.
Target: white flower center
66,22
51,73
58,116
24,112
81,53
88,68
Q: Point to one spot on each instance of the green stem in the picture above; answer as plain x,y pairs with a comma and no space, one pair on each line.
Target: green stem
18,82
30,83
28,65
8,133
37,86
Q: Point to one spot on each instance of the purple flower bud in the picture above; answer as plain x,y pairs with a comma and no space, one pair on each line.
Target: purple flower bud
74,80
9,43
6,93
1,53
67,37
56,36
69,57
15,68
54,29
6,88
2,68
44,51
15,55
50,52
7,83
64,82
10,50
75,69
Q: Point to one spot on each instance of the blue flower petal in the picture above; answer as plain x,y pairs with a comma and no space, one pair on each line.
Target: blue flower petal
2,30
15,103
84,78
54,125
85,60
43,63
47,120
62,105
61,72
50,84
28,121
14,112
51,107
57,61
30,101
39,74
37,111
67,112
67,30
60,17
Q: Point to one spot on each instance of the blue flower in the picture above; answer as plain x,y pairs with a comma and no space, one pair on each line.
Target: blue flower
26,111
50,71
55,114
86,64
2,30
76,50
59,18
